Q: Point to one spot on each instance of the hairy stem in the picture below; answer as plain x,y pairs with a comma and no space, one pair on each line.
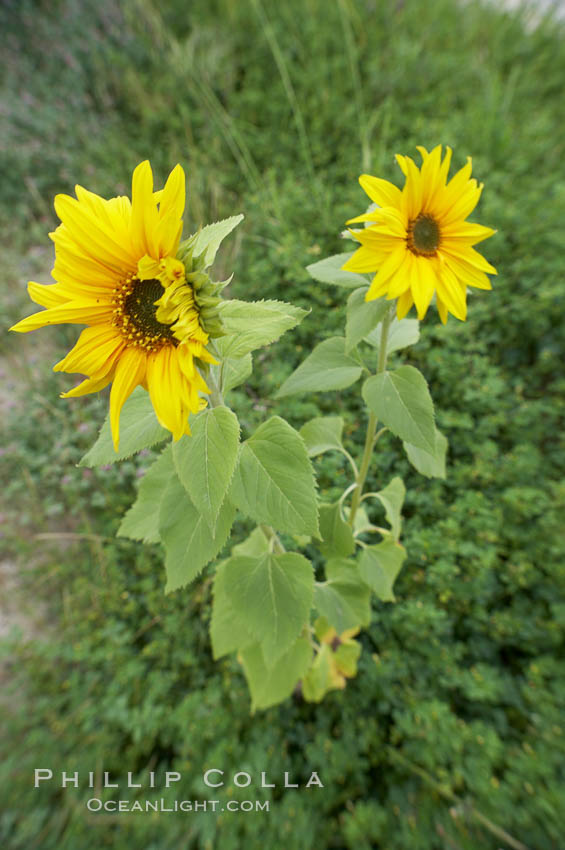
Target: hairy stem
215,398
371,425
275,544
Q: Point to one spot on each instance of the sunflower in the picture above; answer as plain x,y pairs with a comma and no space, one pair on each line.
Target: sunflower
417,240
117,272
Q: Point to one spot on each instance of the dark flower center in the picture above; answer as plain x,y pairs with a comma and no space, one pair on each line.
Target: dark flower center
139,305
424,235
135,314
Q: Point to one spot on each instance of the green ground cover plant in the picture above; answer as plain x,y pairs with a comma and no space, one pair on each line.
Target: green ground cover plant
456,718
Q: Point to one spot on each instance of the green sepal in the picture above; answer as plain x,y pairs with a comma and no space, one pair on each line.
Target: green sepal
209,238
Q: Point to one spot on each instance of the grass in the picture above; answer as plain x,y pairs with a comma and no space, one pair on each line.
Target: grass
274,110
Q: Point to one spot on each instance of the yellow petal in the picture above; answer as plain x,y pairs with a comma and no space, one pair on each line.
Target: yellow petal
465,231
386,271
412,193
144,216
96,348
46,295
402,278
130,371
404,304
469,275
72,266
444,167
468,255
442,309
76,312
93,235
359,219
452,292
169,231
363,260
148,268
90,385
378,238
401,160
448,196
160,389
113,215
380,191
172,200
434,196
464,205
390,221
423,285
430,171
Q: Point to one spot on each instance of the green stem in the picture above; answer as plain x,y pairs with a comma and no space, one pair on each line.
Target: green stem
273,539
215,398
372,423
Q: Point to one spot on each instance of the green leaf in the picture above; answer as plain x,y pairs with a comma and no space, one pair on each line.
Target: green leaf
337,535
328,367
274,480
322,434
139,429
318,680
211,237
188,541
206,460
401,401
272,684
330,271
379,565
343,599
392,497
430,465
253,324
235,371
361,519
402,333
272,595
141,522
228,632
347,656
254,545
362,316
